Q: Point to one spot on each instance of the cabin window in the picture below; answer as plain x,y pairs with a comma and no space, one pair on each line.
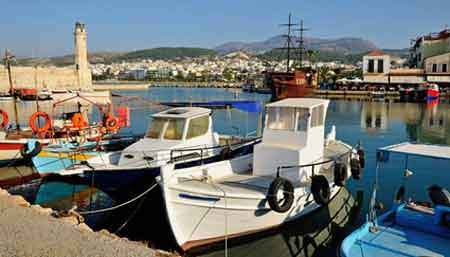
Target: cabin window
281,118
198,127
380,66
371,66
174,130
317,116
156,127
302,122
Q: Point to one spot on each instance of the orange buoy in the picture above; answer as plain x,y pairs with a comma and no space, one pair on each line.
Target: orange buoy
5,119
36,116
78,120
112,123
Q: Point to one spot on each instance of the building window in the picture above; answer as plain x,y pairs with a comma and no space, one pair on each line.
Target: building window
434,68
371,68
380,66
444,67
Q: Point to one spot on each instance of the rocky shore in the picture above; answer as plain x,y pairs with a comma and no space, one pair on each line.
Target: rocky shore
30,230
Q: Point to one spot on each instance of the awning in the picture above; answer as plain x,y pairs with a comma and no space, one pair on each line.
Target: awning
423,150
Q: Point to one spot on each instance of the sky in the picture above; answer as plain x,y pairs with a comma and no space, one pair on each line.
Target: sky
44,27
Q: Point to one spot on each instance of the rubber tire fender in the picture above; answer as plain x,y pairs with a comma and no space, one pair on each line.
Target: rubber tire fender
356,170
288,194
320,189
30,154
362,158
340,174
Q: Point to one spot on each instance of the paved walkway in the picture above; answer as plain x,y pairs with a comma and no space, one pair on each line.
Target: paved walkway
27,232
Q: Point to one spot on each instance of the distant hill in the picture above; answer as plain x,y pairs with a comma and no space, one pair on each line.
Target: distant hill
109,57
168,53
346,45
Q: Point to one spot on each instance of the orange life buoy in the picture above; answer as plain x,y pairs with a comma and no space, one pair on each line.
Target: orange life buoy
5,119
36,116
78,120
112,123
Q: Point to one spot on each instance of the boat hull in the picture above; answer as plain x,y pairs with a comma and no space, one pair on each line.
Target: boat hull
199,216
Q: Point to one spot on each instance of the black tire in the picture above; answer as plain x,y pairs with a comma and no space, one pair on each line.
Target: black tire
284,204
340,174
400,195
30,154
362,158
355,166
320,189
439,195
225,153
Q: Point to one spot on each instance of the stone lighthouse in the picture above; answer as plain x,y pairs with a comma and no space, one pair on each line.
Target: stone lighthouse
81,57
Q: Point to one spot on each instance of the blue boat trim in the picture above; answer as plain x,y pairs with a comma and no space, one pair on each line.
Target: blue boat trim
197,197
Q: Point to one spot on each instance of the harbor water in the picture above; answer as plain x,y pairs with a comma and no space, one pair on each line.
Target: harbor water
374,124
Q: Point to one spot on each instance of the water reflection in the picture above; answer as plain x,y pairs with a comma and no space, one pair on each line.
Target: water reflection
425,123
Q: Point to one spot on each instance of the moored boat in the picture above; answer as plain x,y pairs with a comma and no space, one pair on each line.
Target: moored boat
409,228
432,91
181,135
293,171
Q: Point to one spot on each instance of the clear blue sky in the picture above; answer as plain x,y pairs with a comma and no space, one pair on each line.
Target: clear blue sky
44,27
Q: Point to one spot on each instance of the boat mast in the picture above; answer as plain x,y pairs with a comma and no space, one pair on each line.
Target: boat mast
8,58
301,43
288,37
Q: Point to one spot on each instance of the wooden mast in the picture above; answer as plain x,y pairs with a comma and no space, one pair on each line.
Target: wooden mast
8,58
289,42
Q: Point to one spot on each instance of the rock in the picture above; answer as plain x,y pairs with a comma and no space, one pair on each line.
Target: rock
19,200
46,211
71,220
4,192
84,227
108,234
162,253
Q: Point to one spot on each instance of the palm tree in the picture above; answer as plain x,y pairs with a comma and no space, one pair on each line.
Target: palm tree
312,56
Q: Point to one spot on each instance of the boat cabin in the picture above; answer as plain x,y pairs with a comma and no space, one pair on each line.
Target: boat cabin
184,127
293,135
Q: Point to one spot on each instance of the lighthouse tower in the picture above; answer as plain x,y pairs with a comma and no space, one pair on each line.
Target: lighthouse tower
81,57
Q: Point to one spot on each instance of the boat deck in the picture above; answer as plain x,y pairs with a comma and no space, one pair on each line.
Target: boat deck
255,187
409,231
396,240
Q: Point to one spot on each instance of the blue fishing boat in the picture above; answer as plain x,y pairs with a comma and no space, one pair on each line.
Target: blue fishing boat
409,228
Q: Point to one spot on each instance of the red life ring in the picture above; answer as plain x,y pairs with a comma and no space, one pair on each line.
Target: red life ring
36,116
78,121
112,123
5,119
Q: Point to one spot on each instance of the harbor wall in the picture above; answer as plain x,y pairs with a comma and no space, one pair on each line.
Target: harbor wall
45,77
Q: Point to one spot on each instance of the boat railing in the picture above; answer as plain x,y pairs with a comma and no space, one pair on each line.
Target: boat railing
173,157
313,165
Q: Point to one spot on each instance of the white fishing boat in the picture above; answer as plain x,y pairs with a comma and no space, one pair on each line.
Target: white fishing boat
293,171
183,135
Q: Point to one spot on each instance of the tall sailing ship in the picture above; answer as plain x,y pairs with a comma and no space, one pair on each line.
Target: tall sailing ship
297,81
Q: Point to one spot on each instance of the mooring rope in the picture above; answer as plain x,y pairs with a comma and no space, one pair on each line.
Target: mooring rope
120,205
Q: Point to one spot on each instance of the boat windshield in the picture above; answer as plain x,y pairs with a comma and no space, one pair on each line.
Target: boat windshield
170,129
287,118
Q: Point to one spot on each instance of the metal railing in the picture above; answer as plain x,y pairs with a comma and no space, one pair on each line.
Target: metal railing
204,149
312,165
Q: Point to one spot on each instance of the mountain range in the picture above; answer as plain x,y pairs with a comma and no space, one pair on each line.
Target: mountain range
345,45
346,49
